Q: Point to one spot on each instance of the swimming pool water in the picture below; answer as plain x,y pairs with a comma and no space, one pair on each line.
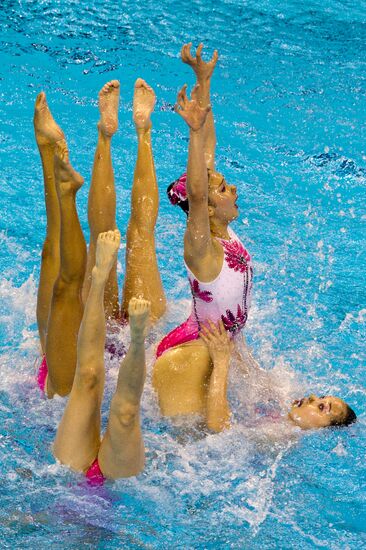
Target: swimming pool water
289,103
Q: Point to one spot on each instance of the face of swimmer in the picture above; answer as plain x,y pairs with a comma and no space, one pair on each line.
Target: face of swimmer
221,198
318,412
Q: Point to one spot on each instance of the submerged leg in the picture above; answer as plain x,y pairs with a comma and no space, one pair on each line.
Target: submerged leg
78,436
102,195
47,134
122,452
142,273
66,306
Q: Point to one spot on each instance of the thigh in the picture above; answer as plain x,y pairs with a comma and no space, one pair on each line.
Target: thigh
180,377
78,436
122,452
66,312
61,340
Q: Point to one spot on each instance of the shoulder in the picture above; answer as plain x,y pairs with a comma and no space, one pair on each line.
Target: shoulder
206,265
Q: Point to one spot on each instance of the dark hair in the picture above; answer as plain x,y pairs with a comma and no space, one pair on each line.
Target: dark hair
182,203
349,418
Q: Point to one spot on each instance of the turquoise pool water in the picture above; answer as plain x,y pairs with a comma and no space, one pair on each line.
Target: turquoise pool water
289,102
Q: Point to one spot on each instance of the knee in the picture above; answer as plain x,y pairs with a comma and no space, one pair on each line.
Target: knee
59,287
49,250
126,413
65,284
89,378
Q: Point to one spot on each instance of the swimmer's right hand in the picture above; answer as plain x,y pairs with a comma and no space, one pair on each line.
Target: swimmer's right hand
202,69
190,110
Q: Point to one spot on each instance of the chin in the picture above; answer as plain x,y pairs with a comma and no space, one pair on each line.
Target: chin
296,420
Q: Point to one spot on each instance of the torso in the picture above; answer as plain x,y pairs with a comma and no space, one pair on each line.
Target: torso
228,296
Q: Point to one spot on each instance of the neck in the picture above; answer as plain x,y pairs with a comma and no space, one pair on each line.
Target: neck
219,229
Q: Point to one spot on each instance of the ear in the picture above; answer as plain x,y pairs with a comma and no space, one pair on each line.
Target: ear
211,211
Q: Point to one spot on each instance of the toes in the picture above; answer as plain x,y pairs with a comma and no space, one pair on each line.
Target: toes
41,99
110,86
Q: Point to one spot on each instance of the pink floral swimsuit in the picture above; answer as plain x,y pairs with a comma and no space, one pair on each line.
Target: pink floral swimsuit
227,297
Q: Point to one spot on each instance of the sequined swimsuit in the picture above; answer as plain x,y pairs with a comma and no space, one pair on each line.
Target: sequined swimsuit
227,297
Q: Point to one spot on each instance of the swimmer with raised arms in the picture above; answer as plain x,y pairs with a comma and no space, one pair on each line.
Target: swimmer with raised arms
219,267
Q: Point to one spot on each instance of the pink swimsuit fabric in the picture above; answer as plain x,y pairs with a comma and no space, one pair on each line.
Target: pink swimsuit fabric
227,298
42,374
94,474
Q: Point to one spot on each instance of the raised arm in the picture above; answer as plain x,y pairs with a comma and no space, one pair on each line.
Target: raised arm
219,346
203,72
197,240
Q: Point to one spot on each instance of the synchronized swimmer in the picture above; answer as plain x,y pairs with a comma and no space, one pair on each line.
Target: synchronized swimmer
78,290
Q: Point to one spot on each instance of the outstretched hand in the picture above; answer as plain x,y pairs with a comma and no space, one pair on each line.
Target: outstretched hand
218,341
202,69
189,109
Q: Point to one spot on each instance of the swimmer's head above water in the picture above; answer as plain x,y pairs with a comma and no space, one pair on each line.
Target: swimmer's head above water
321,412
222,196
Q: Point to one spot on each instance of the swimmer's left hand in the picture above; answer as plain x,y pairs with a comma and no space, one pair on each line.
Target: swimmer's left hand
218,341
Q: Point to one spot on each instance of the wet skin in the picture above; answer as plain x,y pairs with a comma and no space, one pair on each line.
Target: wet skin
222,198
317,412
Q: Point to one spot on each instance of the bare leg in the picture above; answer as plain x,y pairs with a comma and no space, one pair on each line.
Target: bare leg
142,273
47,133
66,306
78,435
102,195
122,452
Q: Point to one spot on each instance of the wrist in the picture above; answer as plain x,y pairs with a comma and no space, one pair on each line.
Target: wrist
221,363
204,92
197,133
203,81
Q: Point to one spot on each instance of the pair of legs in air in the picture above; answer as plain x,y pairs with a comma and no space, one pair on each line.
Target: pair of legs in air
66,269
78,442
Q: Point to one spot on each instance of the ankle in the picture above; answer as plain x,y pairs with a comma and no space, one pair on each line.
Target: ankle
143,131
99,277
102,136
